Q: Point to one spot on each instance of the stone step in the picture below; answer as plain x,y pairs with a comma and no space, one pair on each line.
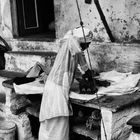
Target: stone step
21,61
33,45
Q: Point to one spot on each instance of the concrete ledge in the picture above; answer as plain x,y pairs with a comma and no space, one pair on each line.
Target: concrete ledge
40,53
22,61
11,74
33,45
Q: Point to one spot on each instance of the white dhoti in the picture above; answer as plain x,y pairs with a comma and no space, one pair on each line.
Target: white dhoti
54,129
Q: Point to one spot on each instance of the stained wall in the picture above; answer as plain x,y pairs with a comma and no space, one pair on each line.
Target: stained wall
122,16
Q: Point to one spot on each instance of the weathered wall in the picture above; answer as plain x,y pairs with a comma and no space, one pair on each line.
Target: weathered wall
5,19
110,56
122,17
103,56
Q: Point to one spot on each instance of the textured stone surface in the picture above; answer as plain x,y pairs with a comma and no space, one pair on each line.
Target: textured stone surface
103,56
28,45
115,123
5,19
23,61
109,56
122,16
23,126
120,130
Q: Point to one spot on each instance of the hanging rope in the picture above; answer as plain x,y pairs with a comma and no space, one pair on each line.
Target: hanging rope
81,23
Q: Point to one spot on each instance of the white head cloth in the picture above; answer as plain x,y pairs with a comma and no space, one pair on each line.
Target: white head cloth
79,33
69,46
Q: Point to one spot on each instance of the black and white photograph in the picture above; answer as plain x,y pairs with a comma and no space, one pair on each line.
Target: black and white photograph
69,69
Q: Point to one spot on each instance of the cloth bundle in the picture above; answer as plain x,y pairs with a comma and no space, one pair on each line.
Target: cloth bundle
121,83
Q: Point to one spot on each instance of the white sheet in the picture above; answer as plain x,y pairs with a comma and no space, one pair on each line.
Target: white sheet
29,88
85,97
121,83
37,88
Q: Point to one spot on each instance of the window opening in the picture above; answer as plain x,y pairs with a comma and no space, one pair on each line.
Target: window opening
35,18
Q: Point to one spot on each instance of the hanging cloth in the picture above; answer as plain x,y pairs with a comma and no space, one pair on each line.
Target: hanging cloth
55,101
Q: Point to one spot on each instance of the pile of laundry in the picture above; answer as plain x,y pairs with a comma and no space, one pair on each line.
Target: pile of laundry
33,82
121,83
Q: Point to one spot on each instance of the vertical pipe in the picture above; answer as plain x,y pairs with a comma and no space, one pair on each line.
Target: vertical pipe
104,20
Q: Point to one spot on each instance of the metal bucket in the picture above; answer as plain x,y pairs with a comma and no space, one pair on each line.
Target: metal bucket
7,130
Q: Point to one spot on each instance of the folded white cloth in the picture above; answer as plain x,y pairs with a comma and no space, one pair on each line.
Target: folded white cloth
85,97
121,83
37,88
113,76
29,88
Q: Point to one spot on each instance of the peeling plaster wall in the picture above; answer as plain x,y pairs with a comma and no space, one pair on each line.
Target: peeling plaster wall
122,16
5,19
114,56
69,18
124,19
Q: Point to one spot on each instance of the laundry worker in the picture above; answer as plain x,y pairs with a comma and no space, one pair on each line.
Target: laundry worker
55,107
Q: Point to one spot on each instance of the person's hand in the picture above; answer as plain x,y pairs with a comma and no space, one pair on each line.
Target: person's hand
87,87
102,83
87,75
87,84
90,74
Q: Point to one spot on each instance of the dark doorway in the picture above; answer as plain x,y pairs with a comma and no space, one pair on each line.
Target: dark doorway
35,18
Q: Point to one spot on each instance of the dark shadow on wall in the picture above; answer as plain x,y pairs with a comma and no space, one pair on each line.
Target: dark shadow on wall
2,60
3,48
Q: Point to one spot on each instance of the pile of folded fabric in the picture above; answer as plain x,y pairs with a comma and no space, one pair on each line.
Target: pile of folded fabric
121,83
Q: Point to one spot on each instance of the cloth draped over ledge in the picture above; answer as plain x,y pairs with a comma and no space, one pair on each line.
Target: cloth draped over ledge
121,83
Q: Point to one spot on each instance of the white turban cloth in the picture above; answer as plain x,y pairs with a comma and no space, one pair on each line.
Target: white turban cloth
79,34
